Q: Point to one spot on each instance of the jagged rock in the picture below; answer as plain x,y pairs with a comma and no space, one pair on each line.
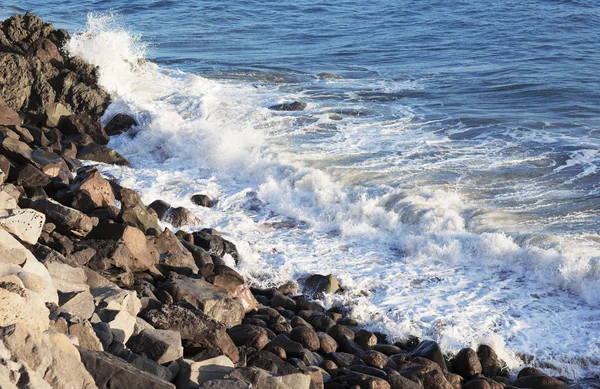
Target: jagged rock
119,124
114,298
28,176
197,331
65,218
212,300
79,304
211,241
174,255
430,350
235,285
121,323
180,216
90,191
66,278
100,153
134,212
466,363
86,336
16,80
25,224
196,373
201,257
17,305
249,335
203,200
23,132
141,254
86,125
8,117
294,106
112,372
322,284
162,346
55,112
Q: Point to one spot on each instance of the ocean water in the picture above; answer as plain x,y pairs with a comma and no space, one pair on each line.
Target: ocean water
446,169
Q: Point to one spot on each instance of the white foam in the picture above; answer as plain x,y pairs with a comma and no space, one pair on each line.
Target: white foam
408,254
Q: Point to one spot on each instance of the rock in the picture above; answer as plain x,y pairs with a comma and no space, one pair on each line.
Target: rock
215,244
8,117
340,332
174,255
49,354
86,335
90,191
211,300
180,216
162,346
16,80
66,278
203,200
343,359
16,150
197,331
113,372
249,335
135,213
25,224
430,350
307,337
294,106
103,333
397,381
4,172
365,339
54,113
322,323
466,363
160,207
455,380
285,302
65,218
84,124
291,348
114,298
119,124
199,372
540,382
366,381
526,371
141,254
121,323
17,305
375,359
270,362
224,384
28,176
327,343
100,153
235,285
491,365
7,201
319,284
477,384
78,304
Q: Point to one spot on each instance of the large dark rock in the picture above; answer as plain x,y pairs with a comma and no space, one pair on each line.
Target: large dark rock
366,381
100,153
111,372
65,218
540,382
85,125
203,200
294,106
491,365
211,241
291,348
466,363
160,207
249,335
180,216
233,282
307,337
162,346
211,300
173,255
397,381
322,284
270,362
90,191
119,124
197,330
135,213
28,176
430,350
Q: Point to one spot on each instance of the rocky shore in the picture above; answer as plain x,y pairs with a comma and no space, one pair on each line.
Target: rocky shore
95,294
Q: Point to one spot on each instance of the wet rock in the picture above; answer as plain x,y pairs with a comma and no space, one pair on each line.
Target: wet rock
211,241
249,335
65,218
287,288
85,125
318,284
430,350
119,124
160,207
110,371
161,346
365,339
294,106
540,382
197,331
180,216
375,359
212,300
322,323
90,191
25,224
285,302
491,365
529,371
203,200
100,153
387,349
466,363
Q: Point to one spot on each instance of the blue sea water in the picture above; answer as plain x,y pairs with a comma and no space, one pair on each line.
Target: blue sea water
446,167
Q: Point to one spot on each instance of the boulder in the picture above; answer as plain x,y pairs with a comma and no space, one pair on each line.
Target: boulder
491,365
119,124
203,200
293,106
432,351
320,284
466,363
366,381
25,224
529,371
29,177
114,298
197,331
18,305
291,348
249,335
160,207
84,124
110,372
54,113
65,218
8,117
340,332
327,343
196,373
100,153
78,304
162,346
282,301
121,323
180,216
16,80
174,255
90,191
211,241
307,337
397,381
270,362
224,384
235,285
211,300
135,213
86,336
540,382
66,278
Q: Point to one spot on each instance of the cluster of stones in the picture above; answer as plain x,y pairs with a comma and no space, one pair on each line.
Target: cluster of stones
95,294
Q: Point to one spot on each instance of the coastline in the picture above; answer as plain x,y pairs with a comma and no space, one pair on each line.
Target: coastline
180,280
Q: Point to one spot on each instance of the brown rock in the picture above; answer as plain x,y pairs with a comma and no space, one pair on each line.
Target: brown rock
119,124
466,363
8,117
375,359
327,343
307,337
91,190
180,216
540,382
249,335
174,255
99,153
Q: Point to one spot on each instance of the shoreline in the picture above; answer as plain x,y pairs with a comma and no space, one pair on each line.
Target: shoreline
149,297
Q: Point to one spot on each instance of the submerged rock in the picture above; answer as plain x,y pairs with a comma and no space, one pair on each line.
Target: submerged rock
119,124
294,106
